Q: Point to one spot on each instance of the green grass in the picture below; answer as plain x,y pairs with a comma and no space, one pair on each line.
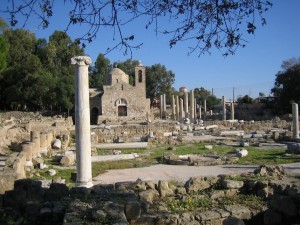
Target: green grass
189,204
102,167
154,155
267,156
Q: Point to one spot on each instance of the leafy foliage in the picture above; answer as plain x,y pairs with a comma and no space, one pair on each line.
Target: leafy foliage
202,94
38,74
159,81
245,99
287,82
204,23
99,71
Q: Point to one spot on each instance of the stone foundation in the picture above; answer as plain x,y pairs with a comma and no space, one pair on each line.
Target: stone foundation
151,202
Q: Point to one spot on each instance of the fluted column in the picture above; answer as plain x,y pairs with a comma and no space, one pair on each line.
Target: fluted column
82,121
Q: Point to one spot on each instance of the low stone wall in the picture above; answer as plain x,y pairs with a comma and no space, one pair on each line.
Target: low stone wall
252,125
126,133
16,164
151,202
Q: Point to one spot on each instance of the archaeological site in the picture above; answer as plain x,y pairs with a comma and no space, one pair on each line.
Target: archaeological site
119,161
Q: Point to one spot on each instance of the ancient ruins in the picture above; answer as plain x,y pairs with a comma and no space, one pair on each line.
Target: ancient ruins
32,144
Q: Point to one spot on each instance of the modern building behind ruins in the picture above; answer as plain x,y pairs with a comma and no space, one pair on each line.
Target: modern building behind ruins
120,101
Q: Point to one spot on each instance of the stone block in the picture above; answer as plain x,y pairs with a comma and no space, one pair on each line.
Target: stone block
67,160
208,147
210,127
232,184
57,144
163,189
233,221
209,215
149,195
6,182
167,134
293,148
167,218
133,210
239,211
200,183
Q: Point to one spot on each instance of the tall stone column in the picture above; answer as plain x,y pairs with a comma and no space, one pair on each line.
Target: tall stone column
204,106
161,106
195,108
200,112
192,106
173,107
165,104
181,108
177,107
232,110
295,121
224,107
186,104
82,122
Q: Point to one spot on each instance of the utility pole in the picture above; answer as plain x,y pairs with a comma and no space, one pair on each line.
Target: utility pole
233,94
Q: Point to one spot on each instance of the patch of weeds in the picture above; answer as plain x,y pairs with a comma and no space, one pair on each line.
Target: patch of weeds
251,201
102,167
189,204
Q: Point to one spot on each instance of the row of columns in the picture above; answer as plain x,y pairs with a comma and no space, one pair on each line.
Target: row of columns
182,108
186,107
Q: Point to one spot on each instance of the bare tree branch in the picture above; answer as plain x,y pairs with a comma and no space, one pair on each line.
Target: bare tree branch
205,24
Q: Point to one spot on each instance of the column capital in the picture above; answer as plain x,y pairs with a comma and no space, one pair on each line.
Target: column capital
81,60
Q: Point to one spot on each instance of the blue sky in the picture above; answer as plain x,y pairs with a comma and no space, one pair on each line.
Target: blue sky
250,71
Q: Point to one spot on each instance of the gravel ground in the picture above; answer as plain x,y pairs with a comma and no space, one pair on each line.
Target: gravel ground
179,173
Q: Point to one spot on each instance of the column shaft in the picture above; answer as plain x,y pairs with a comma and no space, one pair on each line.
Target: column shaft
82,122
224,107
295,121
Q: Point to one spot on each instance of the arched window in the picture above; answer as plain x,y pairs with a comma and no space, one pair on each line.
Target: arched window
140,76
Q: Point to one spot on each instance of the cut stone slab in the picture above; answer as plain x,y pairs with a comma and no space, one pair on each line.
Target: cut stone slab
122,145
232,133
102,158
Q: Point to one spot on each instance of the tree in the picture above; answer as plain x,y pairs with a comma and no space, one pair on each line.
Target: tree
38,74
23,67
245,99
286,87
159,81
204,23
201,94
98,71
3,46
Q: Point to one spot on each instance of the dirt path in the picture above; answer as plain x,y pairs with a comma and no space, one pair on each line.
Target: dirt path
180,173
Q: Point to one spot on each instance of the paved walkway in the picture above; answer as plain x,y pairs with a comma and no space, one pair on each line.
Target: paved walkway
180,173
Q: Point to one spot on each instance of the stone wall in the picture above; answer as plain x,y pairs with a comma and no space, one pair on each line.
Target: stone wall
107,134
28,137
151,202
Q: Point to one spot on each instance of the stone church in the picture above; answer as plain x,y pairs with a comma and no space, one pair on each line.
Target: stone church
120,101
